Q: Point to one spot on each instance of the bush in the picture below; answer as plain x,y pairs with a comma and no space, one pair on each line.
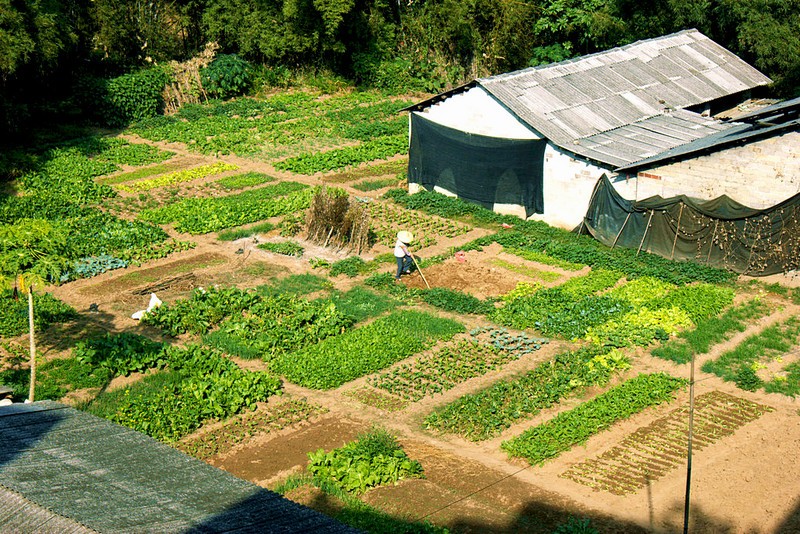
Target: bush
227,76
133,97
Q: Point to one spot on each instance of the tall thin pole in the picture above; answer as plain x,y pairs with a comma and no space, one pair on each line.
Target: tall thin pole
33,343
689,452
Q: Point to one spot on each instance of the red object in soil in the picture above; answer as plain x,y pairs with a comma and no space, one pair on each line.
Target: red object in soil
461,256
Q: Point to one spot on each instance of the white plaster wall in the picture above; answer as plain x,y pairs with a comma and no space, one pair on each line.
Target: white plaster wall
568,187
477,112
759,174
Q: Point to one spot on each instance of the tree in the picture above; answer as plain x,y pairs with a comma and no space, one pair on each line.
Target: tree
30,253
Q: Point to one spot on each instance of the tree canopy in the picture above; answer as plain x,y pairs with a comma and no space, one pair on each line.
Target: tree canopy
50,47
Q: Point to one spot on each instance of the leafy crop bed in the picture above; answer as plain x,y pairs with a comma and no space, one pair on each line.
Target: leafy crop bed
388,219
365,350
741,364
485,414
453,364
577,425
286,124
199,385
204,215
177,177
654,450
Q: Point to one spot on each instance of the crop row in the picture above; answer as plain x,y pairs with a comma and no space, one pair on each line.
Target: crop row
660,447
634,313
341,158
711,330
577,425
176,177
246,126
743,363
454,364
364,350
485,414
203,215
387,220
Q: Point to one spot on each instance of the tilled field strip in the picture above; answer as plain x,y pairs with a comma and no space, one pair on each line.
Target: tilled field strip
654,450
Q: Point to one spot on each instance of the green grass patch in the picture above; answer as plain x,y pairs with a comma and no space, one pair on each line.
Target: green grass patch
546,276
711,331
361,303
286,248
455,301
365,350
247,179
298,284
576,426
374,185
233,234
541,257
486,414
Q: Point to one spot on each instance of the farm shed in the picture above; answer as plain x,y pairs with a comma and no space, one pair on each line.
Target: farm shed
536,141
63,470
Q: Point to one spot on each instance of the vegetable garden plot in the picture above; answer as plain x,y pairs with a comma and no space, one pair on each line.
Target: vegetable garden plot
486,414
388,219
452,364
762,351
204,215
177,177
653,451
365,350
577,425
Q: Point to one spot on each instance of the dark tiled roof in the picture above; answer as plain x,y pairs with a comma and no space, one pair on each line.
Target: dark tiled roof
90,474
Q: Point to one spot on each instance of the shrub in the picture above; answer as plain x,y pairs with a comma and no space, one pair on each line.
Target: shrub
227,76
135,96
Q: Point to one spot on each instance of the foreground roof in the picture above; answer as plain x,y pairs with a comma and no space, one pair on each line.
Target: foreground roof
63,470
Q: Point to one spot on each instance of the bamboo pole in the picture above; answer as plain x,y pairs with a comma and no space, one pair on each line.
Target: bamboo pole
646,228
711,243
621,229
33,344
420,271
677,231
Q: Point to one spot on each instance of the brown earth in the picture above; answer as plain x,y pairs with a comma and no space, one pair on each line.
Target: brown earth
744,482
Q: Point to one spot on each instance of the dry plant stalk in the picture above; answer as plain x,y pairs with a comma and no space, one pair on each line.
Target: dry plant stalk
334,219
187,87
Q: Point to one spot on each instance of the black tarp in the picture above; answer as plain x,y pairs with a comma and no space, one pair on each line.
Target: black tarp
719,232
480,169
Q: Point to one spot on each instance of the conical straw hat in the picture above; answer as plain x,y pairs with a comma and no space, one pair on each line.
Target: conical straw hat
405,237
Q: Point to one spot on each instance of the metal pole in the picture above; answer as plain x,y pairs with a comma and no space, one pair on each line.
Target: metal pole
689,452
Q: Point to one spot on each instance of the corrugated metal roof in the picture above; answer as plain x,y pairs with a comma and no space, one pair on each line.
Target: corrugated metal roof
89,473
604,92
776,119
646,138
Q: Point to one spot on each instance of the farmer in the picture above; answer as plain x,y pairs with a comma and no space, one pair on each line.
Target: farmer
401,253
